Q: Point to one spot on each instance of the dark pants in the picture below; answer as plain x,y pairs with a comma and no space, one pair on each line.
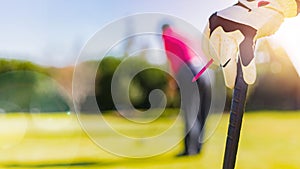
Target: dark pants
195,104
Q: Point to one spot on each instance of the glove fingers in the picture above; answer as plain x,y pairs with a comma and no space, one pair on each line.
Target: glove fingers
249,72
226,45
229,73
215,45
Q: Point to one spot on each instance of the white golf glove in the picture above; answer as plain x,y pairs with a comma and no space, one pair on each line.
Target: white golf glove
264,16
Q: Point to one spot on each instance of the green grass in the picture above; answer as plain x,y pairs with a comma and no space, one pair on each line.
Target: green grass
269,140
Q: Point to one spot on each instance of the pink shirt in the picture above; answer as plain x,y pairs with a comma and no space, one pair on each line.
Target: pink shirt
177,49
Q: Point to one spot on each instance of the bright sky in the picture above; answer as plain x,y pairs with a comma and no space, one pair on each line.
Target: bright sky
288,37
52,32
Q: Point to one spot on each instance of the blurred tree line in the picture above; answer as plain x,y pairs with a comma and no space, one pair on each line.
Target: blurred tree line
140,86
31,87
277,86
27,87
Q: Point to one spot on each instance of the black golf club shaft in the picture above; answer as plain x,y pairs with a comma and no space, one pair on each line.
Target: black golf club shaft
235,122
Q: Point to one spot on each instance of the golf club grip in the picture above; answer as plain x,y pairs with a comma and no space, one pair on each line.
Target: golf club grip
235,122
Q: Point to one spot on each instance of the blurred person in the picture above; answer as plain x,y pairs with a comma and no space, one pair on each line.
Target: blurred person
185,64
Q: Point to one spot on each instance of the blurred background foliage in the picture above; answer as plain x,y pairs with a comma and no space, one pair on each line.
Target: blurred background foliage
48,89
140,86
27,87
278,84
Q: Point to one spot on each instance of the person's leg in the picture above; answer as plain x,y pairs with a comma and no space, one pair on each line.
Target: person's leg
193,125
190,100
196,100
204,88
205,98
